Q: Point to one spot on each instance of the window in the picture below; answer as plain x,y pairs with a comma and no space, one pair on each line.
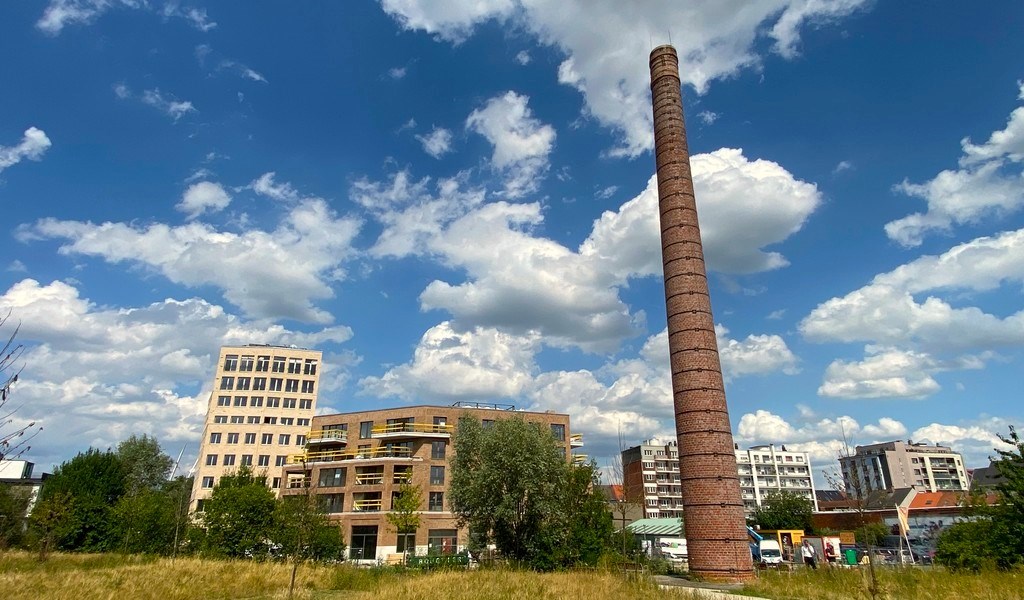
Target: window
238,419
436,502
365,428
278,364
262,363
436,475
332,477
273,402
270,420
250,438
247,460
305,403
229,460
277,483
223,400
291,385
259,383
227,383
300,440
284,439
267,438
246,364
263,460
558,431
294,366
406,542
307,386
243,383
648,452
256,401
437,449
200,505
303,423
253,420
231,362
363,542
333,503
214,438
287,420
279,461
220,419
487,423
232,438
276,383
310,367
241,400
207,483
442,541
289,402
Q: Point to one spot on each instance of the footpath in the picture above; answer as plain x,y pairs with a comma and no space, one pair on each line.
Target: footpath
704,591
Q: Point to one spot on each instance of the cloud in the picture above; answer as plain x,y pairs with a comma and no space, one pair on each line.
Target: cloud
295,264
62,13
437,143
989,182
843,165
606,48
32,146
203,197
523,57
168,105
707,117
266,185
198,18
95,375
775,315
397,72
885,373
244,71
754,355
607,192
521,142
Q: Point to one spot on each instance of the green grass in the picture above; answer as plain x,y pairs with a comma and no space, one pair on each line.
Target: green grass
894,584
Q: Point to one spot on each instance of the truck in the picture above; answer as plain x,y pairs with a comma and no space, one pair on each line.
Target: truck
765,551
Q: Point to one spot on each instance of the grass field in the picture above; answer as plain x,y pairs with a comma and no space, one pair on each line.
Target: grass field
107,577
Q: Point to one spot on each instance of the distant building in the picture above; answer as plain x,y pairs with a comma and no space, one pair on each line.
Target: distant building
651,475
259,412
895,465
19,474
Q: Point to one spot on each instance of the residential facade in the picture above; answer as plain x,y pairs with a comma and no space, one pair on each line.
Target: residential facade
18,474
895,465
357,462
259,412
651,476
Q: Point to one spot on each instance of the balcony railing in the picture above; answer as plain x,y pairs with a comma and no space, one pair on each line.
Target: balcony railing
580,459
327,436
576,440
366,505
369,478
406,430
340,455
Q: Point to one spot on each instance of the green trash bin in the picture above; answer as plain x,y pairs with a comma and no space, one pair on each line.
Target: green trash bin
851,556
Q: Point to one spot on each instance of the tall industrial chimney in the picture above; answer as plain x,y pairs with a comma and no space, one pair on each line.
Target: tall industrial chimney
713,515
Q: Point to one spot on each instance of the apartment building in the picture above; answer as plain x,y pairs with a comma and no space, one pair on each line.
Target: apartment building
260,412
356,463
651,474
895,465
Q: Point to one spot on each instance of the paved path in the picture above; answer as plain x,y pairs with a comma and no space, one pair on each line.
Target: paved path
706,591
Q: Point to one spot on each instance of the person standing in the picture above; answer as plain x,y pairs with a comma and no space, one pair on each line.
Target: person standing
807,551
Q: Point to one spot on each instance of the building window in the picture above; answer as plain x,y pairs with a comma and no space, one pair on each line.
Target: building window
307,386
270,420
227,383
241,400
437,449
436,475
200,505
259,383
287,420
238,419
558,431
365,429
435,503
246,364
363,542
273,402
303,423
648,452
229,460
250,438
305,404
332,477
243,383
442,541
300,440
214,438
231,362
294,366
291,385
278,364
263,460
486,423
256,401
247,460
207,483
284,439
220,419
276,383
333,503
262,363
406,542
232,438
267,438
279,461
310,367
223,400
277,483
289,402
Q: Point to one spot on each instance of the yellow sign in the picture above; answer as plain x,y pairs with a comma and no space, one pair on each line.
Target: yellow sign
847,537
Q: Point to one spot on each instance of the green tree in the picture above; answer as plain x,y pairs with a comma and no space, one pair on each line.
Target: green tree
784,510
14,501
144,522
405,516
93,481
584,532
52,519
239,516
145,464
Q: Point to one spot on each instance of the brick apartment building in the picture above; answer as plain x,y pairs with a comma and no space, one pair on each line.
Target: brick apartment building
356,462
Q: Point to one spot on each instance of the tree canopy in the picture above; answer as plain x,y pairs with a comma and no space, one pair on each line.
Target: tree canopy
784,510
145,464
239,516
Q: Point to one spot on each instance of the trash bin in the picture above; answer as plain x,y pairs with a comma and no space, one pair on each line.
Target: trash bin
851,556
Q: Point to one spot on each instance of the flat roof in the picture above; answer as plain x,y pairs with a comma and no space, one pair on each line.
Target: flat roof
481,408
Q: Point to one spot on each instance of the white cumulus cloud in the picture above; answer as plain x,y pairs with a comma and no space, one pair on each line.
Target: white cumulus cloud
437,143
32,146
521,142
201,197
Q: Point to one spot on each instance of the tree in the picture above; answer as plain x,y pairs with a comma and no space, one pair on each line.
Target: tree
13,441
14,501
145,464
93,481
52,520
586,530
144,522
239,516
784,510
404,516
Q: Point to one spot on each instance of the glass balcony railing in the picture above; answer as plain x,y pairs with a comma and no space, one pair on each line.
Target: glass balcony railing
576,440
366,505
327,436
400,430
341,455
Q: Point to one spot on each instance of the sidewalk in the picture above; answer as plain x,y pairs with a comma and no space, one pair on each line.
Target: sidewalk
706,591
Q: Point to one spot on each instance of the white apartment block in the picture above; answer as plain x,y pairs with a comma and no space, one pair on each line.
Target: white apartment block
259,412
651,472
897,465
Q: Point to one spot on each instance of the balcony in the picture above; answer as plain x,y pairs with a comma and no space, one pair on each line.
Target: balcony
366,505
580,459
576,440
323,437
380,452
369,478
394,431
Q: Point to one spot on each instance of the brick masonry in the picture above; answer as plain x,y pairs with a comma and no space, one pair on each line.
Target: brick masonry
712,506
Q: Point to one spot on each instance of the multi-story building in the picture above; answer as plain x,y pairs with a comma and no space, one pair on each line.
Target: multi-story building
651,475
896,465
260,411
357,462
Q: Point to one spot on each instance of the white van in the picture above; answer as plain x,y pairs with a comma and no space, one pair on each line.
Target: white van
771,552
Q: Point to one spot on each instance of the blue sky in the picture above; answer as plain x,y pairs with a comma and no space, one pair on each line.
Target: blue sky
454,202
